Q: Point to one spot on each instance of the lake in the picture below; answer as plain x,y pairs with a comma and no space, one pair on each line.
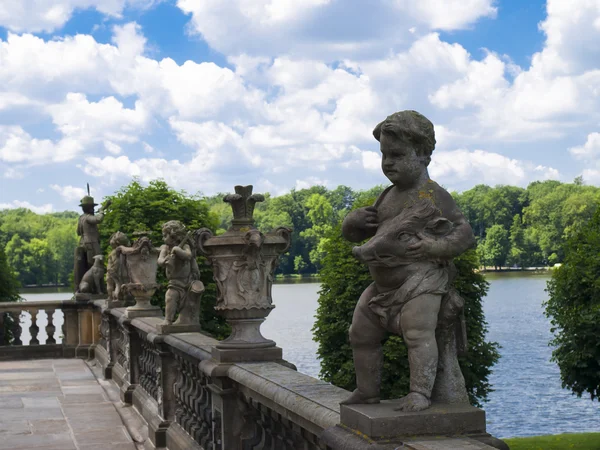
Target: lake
527,399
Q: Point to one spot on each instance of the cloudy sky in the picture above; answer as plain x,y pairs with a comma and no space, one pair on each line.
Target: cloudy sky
284,94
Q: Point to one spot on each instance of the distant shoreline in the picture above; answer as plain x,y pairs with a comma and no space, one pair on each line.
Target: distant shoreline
515,269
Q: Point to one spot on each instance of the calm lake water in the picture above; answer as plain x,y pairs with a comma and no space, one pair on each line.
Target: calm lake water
528,399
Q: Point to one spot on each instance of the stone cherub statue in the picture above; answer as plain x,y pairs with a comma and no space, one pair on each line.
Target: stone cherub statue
185,289
116,269
89,242
416,230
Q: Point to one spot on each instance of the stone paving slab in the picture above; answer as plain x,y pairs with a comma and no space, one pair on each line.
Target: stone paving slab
57,404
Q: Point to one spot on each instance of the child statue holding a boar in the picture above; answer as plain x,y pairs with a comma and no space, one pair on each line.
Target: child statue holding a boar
416,230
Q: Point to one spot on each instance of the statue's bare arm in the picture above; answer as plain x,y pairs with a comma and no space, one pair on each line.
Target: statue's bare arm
163,255
361,223
184,253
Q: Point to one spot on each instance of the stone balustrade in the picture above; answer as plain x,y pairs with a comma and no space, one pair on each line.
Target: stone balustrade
76,337
187,398
191,401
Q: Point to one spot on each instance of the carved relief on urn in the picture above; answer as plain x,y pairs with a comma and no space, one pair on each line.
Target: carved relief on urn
244,261
142,263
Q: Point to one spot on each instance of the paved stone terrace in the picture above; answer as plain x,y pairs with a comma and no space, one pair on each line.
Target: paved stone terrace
59,404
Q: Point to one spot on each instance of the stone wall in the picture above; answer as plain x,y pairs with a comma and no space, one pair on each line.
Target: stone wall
191,401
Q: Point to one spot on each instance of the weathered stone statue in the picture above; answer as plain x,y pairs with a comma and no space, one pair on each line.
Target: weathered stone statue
89,242
416,230
185,289
116,269
91,282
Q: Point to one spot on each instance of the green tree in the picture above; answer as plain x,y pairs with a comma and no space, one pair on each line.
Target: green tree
544,216
9,285
574,310
222,211
62,240
471,203
322,217
493,250
517,253
31,260
268,217
344,279
294,207
138,208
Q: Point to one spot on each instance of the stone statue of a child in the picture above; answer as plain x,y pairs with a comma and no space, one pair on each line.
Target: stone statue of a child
116,269
415,229
185,288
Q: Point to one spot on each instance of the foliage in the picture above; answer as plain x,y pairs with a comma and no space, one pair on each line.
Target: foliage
137,208
311,213
344,279
494,249
574,309
9,285
575,441
39,247
537,220
482,355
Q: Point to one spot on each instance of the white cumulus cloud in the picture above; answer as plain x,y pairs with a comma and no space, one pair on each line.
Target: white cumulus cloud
106,119
588,151
69,193
41,209
324,27
18,146
483,166
43,15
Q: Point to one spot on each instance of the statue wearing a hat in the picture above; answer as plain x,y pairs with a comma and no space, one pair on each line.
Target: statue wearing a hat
89,242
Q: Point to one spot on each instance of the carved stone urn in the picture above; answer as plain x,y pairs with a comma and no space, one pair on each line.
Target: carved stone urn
142,263
244,261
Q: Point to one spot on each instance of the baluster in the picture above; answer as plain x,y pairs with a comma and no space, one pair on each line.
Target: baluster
16,328
50,328
33,328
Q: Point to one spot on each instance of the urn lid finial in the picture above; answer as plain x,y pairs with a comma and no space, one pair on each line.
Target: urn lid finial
242,203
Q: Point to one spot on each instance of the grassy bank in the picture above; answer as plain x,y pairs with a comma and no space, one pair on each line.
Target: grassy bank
576,441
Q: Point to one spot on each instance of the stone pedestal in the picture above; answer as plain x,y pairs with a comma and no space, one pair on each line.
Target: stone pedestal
440,427
117,304
133,312
85,297
245,328
381,422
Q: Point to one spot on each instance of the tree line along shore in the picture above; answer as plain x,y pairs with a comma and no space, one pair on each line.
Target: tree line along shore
515,227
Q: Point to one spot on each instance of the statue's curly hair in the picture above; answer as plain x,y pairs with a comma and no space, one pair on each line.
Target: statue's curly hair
119,238
174,227
412,126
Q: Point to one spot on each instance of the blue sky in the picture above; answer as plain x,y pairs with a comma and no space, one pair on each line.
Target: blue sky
284,94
